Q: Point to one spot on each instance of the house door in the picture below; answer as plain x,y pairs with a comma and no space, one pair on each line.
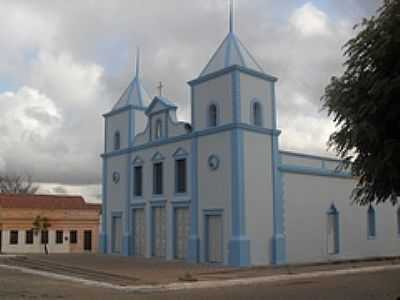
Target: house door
214,239
1,239
87,240
139,232
159,232
181,232
116,234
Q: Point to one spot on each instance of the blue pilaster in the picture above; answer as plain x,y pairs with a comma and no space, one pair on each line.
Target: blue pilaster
279,238
239,244
194,241
103,234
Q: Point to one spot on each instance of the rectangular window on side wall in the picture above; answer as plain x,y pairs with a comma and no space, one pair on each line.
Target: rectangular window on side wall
138,178
29,237
180,173
59,236
158,178
73,237
13,237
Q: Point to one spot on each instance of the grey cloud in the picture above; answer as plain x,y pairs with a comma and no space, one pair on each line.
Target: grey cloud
84,60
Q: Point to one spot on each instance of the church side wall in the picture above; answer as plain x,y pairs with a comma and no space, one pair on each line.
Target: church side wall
258,196
255,89
215,186
307,200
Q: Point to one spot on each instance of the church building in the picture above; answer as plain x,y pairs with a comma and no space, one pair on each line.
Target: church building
219,189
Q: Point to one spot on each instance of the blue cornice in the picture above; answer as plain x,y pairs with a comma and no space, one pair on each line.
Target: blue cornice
205,132
123,109
244,70
304,155
314,171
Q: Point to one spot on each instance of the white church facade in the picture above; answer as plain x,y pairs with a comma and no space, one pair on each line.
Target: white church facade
220,190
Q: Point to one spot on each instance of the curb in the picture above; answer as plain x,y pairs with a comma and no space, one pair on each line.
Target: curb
181,286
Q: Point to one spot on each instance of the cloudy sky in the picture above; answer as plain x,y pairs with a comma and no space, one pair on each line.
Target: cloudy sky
65,63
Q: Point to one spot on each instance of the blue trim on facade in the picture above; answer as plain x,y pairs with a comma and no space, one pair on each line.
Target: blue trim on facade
218,114
253,121
313,171
304,155
279,255
205,132
123,109
138,204
180,153
239,244
103,234
157,157
219,73
194,241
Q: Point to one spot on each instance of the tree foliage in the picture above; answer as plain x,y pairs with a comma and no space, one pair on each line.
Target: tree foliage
41,224
365,105
17,185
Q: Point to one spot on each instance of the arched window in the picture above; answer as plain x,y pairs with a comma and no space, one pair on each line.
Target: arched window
371,223
212,115
256,112
333,230
158,133
117,141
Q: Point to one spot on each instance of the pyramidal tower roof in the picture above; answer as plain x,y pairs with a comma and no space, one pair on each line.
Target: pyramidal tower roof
231,52
135,94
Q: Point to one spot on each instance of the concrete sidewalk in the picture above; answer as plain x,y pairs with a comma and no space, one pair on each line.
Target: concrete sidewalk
150,273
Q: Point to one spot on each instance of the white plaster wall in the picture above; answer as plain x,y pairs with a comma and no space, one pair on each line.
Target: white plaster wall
307,199
36,247
140,120
175,128
167,150
258,196
118,122
116,192
250,88
217,90
215,186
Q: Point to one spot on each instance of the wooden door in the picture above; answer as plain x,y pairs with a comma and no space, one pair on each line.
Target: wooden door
87,240
159,232
116,234
214,242
139,232
181,232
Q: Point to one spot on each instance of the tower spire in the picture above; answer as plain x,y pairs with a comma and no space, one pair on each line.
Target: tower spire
137,74
231,16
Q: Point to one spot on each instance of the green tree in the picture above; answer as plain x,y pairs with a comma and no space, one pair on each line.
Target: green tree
40,225
365,105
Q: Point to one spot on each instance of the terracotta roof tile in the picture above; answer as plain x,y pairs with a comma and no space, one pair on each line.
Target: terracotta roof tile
44,202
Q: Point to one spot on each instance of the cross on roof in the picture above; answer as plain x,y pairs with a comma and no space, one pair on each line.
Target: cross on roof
160,87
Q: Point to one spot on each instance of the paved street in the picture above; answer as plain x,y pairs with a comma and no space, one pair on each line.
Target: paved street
381,286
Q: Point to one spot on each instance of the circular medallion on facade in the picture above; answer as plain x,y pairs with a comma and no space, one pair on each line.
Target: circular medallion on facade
213,162
115,177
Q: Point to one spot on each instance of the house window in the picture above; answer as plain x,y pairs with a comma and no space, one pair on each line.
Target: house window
180,171
44,237
371,222
158,133
256,114
29,237
212,115
13,237
73,237
117,141
59,236
158,178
